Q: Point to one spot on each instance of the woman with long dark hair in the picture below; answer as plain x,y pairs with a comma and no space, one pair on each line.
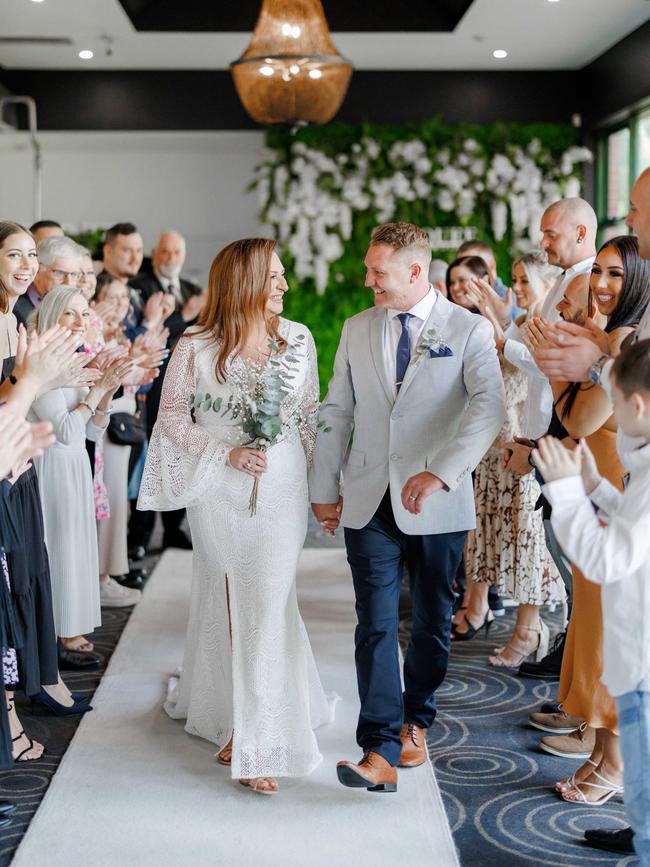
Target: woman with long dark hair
249,681
620,287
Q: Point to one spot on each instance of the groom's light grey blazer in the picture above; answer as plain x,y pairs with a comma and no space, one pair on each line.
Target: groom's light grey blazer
447,414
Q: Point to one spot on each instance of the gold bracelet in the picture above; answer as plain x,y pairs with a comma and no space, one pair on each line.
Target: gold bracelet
88,406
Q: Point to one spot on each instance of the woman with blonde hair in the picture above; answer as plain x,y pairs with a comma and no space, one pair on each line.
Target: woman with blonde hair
249,682
65,477
509,550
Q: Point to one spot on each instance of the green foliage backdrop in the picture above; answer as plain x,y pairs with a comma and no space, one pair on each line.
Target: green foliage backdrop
549,150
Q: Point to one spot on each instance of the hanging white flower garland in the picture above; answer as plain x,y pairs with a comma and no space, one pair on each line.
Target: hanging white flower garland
310,201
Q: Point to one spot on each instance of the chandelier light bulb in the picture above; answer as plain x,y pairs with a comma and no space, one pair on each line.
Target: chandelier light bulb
294,69
266,70
86,54
500,54
315,73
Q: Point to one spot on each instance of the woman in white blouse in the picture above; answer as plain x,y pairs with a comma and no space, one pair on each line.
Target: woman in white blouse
66,480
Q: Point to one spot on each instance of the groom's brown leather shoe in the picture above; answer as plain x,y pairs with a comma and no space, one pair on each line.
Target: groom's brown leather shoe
414,751
373,773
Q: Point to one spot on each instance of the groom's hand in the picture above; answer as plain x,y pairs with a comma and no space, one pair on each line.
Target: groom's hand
328,515
417,489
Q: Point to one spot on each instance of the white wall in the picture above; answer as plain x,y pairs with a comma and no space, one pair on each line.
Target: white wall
193,182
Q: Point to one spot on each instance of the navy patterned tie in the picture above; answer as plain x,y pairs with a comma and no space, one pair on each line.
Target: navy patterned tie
403,356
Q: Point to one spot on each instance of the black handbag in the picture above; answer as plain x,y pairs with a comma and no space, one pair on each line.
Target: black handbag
126,429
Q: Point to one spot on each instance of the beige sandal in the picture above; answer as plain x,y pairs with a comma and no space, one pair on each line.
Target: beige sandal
255,785
540,651
224,756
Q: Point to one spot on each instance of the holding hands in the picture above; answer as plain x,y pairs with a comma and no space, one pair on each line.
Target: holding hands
328,515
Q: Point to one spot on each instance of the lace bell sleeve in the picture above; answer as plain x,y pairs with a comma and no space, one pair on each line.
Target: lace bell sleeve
310,401
183,461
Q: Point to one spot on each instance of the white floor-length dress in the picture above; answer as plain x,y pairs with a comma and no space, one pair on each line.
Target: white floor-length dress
66,487
261,683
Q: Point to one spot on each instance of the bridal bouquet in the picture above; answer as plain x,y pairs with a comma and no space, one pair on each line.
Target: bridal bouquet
266,404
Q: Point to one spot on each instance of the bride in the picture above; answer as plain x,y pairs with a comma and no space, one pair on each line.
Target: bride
249,681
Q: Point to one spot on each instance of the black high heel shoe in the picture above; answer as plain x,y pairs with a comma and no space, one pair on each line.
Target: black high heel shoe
472,630
55,707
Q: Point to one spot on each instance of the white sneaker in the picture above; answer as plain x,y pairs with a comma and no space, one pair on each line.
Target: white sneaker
113,595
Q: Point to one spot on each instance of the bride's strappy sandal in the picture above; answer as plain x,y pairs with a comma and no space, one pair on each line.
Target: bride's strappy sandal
254,784
609,789
224,756
540,652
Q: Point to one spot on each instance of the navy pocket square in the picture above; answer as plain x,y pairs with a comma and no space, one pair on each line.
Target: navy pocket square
440,353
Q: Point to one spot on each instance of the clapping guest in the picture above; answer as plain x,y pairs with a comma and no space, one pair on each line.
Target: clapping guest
485,252
188,300
620,286
46,363
65,479
509,552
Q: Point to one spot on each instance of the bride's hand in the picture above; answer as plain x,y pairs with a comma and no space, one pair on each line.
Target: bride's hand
251,461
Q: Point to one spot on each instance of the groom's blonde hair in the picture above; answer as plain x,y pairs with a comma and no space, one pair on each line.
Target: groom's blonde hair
403,236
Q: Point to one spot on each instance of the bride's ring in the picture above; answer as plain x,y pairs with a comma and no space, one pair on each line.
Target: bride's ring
412,497
249,465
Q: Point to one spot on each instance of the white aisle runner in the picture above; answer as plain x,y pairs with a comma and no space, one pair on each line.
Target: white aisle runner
134,790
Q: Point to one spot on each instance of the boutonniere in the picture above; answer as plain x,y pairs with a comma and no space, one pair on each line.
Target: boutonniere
433,345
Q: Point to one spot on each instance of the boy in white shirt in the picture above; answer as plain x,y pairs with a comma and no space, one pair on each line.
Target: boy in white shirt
616,556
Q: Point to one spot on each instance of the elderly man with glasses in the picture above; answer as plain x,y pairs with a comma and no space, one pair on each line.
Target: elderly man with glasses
59,265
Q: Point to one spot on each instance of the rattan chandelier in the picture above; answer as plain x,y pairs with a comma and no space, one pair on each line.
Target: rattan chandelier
291,71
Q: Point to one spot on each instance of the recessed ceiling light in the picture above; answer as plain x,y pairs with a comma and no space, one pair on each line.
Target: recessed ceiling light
499,54
37,1
553,1
86,54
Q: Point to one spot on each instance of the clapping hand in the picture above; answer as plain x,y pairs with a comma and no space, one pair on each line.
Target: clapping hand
538,333
591,478
21,441
153,312
500,307
194,306
114,375
556,462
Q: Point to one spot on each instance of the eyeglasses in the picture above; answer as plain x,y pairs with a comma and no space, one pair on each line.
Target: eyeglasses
61,275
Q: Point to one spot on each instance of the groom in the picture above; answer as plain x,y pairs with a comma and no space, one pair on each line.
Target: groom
415,401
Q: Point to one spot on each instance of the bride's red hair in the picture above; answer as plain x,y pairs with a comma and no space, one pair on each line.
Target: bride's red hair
238,288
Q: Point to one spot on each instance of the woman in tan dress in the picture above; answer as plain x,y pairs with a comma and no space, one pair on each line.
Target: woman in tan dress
620,288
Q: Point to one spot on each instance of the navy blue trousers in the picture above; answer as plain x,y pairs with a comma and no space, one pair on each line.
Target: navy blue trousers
377,554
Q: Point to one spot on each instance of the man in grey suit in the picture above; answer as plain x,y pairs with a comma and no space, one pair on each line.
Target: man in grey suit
415,401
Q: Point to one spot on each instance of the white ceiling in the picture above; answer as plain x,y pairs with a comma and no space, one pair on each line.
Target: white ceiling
537,34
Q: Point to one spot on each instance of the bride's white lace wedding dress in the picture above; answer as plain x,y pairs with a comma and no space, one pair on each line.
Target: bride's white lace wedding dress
252,673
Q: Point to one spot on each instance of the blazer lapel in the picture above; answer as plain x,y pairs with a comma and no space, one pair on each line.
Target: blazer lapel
377,351
437,319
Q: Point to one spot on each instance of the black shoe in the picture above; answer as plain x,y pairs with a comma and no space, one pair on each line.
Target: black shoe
137,553
135,579
44,701
551,707
495,603
619,841
6,807
76,660
179,539
473,630
550,666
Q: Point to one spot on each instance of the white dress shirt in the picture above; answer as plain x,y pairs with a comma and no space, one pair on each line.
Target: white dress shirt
393,330
539,400
616,556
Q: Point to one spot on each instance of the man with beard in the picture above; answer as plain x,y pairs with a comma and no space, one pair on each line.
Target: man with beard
186,300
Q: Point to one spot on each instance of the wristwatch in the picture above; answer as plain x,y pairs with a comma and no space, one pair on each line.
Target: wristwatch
596,369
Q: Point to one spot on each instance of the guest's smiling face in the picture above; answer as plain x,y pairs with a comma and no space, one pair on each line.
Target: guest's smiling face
606,281
75,316
18,263
392,277
521,287
459,278
117,293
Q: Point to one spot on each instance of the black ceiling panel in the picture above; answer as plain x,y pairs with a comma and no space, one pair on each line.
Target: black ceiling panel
351,16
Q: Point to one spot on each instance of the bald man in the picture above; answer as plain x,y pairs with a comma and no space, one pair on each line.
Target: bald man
568,230
580,359
167,259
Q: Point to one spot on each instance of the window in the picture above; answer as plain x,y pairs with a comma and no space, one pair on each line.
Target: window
623,153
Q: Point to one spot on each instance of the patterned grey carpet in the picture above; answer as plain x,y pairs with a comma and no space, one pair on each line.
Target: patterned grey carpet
495,782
